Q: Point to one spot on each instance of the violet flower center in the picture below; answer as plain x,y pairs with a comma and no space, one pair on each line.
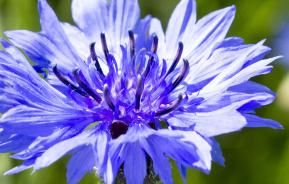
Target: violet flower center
142,92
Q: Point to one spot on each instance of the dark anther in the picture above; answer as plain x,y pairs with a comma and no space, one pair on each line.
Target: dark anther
94,58
68,83
104,45
118,128
171,107
139,90
177,58
151,59
155,44
132,43
87,89
107,97
183,74
92,52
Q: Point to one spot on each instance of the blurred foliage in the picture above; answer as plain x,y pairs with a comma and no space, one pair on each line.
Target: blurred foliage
253,156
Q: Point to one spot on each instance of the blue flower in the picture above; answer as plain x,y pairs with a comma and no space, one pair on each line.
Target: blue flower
117,92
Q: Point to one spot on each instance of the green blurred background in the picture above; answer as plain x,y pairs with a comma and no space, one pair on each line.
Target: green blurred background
253,156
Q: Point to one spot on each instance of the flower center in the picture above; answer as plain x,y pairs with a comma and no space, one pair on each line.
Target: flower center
140,89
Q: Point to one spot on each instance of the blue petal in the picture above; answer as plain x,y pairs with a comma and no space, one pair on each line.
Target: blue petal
51,45
263,95
135,173
13,51
34,104
40,49
236,73
59,150
156,29
13,143
254,121
78,40
52,28
242,100
161,164
251,87
114,161
26,165
40,122
232,60
22,85
217,154
86,140
211,123
208,31
230,42
183,172
189,148
7,103
142,37
182,21
91,16
40,144
101,147
123,16
185,147
137,135
79,164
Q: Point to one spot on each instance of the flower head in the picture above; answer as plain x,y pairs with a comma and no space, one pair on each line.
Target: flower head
117,90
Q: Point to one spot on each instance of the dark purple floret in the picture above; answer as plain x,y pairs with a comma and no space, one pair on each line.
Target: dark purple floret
132,43
85,87
177,58
104,45
170,107
95,59
182,75
68,83
139,90
107,97
151,61
155,44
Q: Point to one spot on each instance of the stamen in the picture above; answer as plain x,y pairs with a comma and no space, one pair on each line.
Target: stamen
132,43
155,44
172,107
92,52
177,58
118,128
94,58
154,50
104,45
139,90
87,89
107,97
148,67
68,83
183,74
